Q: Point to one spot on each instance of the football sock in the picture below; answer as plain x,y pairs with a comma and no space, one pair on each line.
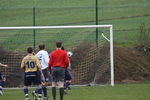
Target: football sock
25,91
61,91
39,90
44,91
1,88
1,84
36,91
67,84
54,92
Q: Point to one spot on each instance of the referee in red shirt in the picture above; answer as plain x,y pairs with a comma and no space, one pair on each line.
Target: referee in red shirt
57,64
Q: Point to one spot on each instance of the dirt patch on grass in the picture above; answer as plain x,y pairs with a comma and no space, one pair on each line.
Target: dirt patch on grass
131,65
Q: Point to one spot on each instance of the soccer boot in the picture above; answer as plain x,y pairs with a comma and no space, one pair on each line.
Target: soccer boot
40,97
47,98
69,88
26,97
65,92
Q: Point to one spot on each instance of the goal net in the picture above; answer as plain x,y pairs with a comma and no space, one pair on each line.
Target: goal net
92,59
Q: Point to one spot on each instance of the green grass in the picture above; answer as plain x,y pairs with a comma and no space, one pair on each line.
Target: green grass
123,15
118,92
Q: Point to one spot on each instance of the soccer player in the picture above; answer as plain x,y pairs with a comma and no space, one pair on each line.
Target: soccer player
2,79
68,77
57,64
32,67
43,57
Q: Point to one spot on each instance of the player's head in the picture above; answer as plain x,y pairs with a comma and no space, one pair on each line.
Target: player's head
41,46
62,48
30,50
58,44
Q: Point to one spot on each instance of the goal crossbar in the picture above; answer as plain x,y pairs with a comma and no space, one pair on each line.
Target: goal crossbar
54,27
75,26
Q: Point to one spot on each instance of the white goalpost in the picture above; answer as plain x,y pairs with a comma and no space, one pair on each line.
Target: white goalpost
110,40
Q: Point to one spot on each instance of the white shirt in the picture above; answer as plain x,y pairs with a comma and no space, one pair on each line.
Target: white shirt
43,57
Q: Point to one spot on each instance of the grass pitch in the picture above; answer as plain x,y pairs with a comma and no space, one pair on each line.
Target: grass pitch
118,92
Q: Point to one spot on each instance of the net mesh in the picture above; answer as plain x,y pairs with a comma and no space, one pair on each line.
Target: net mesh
90,61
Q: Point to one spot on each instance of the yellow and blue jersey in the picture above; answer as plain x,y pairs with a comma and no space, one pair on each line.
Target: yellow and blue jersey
30,63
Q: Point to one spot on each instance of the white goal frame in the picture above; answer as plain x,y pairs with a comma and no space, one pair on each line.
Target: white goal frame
77,26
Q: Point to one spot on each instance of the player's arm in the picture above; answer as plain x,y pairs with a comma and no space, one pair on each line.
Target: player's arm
23,64
37,63
69,66
46,57
3,65
39,68
50,62
67,61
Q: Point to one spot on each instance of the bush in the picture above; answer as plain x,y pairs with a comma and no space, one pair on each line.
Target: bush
144,37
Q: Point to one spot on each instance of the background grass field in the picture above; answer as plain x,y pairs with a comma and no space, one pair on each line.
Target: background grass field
118,92
126,17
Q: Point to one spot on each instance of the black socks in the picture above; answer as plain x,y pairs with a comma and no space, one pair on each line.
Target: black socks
61,91
54,92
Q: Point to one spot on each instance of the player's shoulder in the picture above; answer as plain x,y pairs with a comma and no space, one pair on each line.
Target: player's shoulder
25,58
30,56
42,52
64,51
53,52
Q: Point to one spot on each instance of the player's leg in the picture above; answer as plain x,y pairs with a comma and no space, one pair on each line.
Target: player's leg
27,82
67,84
60,79
37,81
26,93
39,92
54,80
54,90
68,79
1,87
61,89
34,94
44,85
2,82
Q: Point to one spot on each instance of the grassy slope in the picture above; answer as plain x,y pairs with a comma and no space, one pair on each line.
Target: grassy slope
119,92
124,15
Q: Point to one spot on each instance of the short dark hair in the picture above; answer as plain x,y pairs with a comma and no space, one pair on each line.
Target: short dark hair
62,48
41,46
29,49
58,44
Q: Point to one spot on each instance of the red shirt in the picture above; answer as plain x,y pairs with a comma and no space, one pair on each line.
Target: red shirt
58,58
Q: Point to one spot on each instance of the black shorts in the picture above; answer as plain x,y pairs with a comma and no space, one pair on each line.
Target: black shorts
67,75
45,73
58,74
32,78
